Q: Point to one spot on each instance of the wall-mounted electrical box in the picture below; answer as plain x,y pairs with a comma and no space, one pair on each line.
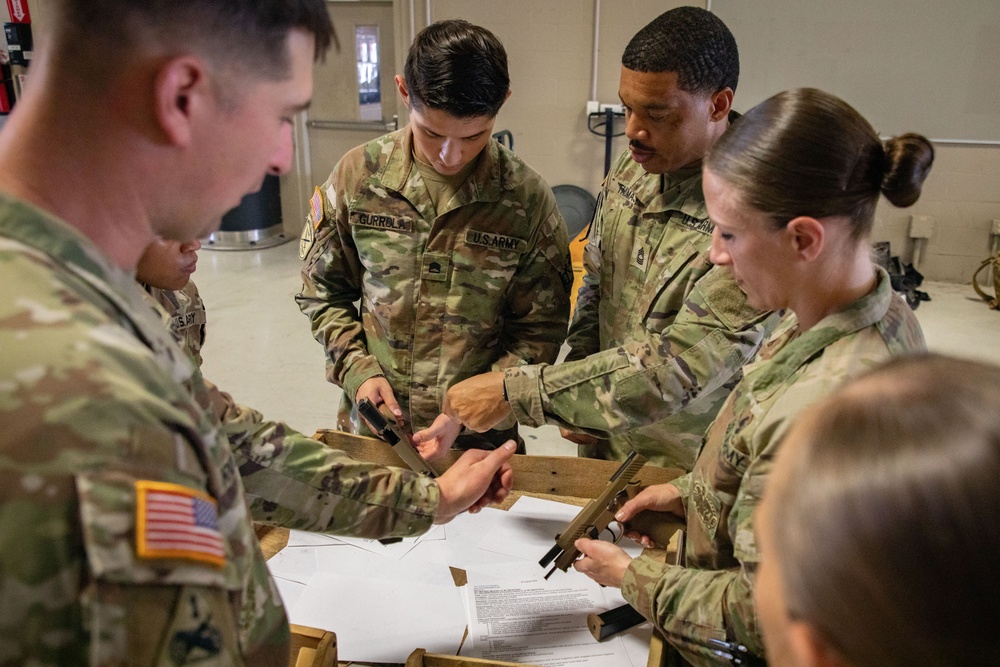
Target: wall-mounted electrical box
19,42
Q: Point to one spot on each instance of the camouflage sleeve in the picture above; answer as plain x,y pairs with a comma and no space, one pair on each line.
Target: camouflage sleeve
712,604
584,337
296,482
614,391
693,604
332,278
79,595
538,307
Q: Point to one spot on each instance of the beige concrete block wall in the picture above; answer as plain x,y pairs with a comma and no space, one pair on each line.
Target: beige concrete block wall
962,194
550,48
550,43
550,51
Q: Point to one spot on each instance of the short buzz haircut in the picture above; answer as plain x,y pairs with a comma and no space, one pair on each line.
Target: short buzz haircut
459,68
248,36
692,42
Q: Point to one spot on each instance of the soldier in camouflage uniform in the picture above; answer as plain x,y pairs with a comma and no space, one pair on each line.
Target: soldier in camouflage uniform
164,271
127,514
658,336
453,245
792,220
880,528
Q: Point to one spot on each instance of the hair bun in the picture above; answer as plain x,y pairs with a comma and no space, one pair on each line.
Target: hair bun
908,159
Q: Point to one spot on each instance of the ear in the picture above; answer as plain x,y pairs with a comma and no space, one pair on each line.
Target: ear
808,648
808,236
180,87
403,92
722,104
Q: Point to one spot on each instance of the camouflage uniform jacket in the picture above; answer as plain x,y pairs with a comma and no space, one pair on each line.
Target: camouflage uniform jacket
186,317
481,285
100,430
658,335
712,597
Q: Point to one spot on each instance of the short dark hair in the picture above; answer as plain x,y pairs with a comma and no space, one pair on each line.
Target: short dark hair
692,42
457,67
807,152
246,34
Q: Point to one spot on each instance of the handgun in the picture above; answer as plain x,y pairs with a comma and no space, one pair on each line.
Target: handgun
597,515
385,426
617,620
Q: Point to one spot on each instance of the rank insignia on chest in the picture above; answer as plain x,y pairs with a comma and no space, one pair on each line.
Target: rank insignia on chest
176,522
640,257
435,266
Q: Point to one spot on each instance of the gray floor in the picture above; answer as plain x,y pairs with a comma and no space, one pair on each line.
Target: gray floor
259,347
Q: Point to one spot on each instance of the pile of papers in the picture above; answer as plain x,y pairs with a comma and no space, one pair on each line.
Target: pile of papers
385,600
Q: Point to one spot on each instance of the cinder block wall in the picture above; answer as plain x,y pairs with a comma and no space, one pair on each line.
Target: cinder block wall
962,194
550,47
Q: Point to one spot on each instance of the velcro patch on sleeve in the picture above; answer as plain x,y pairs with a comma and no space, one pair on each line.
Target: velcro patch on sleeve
307,240
176,522
316,204
380,221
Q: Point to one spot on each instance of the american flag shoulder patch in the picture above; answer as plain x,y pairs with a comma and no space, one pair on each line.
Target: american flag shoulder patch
174,521
316,203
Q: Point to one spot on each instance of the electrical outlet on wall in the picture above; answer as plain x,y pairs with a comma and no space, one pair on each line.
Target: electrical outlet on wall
593,106
921,226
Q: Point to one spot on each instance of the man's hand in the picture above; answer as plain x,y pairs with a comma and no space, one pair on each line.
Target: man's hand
475,480
377,390
478,401
602,561
657,497
435,440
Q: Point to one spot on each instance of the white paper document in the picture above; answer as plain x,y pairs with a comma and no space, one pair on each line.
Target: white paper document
459,549
380,620
528,619
395,549
529,530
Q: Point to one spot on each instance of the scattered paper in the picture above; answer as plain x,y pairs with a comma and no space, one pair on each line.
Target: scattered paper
527,619
379,620
460,549
298,564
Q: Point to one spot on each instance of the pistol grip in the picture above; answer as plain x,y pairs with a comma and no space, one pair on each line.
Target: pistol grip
657,526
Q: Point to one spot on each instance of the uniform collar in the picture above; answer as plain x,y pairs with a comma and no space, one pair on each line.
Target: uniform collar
798,350
38,229
486,183
677,191
64,245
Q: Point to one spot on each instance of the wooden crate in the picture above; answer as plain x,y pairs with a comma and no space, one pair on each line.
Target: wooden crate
567,479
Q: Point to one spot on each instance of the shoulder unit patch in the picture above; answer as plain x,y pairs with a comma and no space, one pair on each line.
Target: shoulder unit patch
176,522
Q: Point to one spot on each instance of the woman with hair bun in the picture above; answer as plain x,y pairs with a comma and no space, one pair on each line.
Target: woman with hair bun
791,189
880,528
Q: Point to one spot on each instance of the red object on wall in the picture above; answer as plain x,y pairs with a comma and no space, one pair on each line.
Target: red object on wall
19,11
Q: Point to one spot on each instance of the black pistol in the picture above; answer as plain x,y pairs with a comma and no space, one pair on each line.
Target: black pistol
386,428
